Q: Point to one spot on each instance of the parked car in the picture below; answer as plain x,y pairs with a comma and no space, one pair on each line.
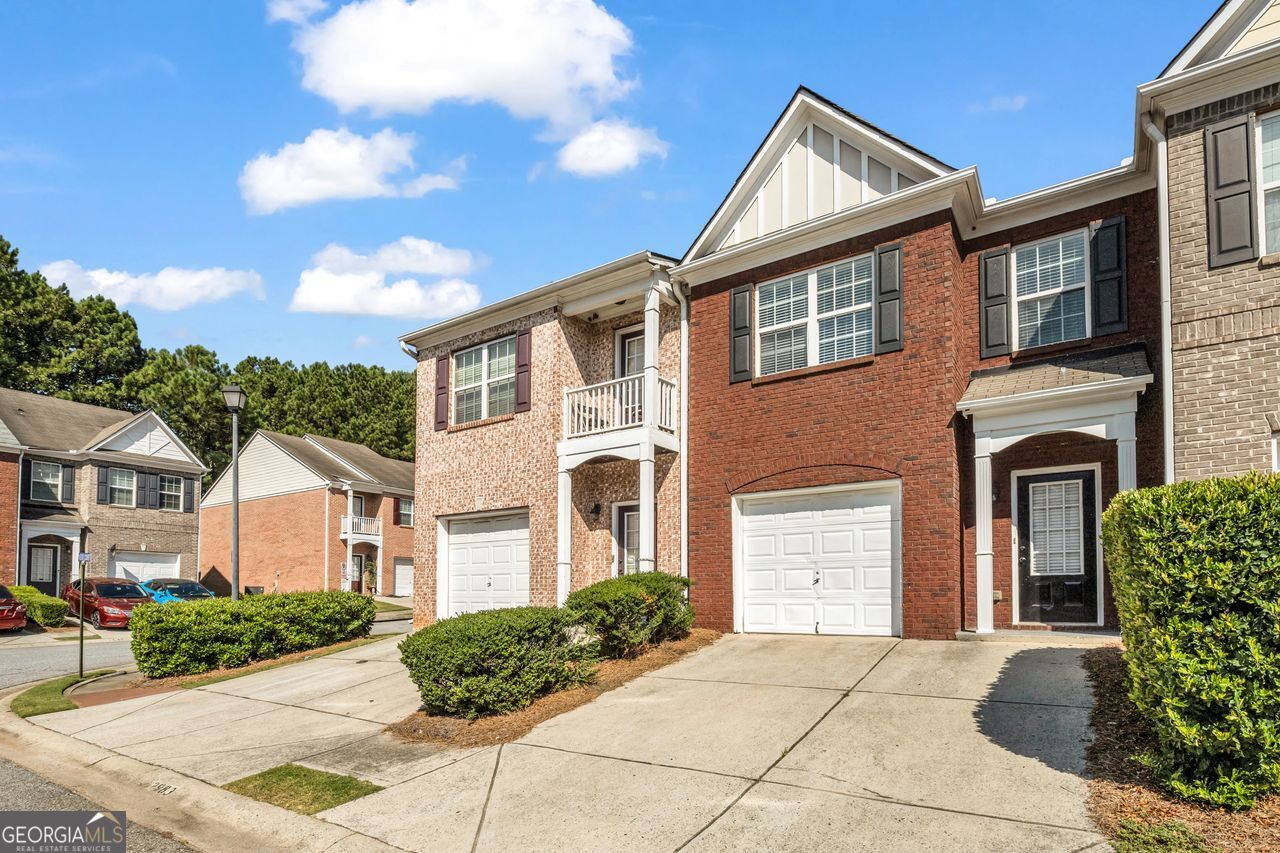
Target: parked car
164,590
108,602
13,613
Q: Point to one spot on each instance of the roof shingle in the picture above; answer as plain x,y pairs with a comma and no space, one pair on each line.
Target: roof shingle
1065,372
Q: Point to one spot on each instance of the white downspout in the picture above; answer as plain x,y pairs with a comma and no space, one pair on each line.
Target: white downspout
1166,289
17,528
677,287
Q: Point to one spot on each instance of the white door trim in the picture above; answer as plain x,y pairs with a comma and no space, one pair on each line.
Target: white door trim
57,563
617,510
1015,582
738,557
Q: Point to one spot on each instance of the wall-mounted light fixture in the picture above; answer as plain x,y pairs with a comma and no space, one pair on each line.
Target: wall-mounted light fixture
596,510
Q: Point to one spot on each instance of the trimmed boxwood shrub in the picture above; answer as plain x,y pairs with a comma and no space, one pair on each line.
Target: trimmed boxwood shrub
42,609
182,638
627,613
495,661
1196,571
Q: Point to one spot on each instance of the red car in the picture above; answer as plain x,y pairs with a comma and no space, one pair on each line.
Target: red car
108,602
13,613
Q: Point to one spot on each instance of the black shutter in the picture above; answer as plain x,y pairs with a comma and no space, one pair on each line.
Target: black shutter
1110,289
442,392
888,312
188,494
68,484
740,333
153,491
395,512
104,484
26,479
994,320
1228,164
524,350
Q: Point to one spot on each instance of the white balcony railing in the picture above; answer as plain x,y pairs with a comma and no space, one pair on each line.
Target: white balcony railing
358,525
616,404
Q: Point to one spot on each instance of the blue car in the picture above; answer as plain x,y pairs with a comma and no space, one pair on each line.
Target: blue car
163,590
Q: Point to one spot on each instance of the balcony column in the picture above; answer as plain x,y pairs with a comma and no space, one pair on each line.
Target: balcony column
648,507
351,524
652,301
564,534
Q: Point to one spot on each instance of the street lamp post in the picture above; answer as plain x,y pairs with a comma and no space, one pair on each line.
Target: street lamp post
235,399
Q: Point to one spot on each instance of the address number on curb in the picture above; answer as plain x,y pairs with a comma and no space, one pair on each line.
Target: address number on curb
162,789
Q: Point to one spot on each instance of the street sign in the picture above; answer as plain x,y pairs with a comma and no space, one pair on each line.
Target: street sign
84,557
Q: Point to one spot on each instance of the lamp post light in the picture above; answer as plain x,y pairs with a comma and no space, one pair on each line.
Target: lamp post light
235,399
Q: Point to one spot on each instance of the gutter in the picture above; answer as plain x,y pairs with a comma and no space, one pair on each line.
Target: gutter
1166,291
409,350
678,290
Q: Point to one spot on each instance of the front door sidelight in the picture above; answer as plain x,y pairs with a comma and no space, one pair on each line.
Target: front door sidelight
1057,548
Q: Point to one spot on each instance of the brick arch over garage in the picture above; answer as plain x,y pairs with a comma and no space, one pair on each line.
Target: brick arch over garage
813,469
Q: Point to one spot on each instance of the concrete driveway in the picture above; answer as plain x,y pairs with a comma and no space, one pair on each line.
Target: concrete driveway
756,743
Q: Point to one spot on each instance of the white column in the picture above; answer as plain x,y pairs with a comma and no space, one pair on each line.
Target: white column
648,506
351,508
652,300
985,583
564,533
1124,430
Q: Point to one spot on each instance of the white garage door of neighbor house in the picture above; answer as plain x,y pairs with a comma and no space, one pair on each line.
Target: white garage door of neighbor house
144,565
488,563
404,576
823,562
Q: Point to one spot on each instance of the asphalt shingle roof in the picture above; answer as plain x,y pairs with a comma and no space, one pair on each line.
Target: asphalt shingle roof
358,458
49,423
1065,372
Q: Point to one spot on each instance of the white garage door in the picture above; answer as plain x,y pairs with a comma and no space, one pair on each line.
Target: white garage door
144,565
404,577
821,563
488,563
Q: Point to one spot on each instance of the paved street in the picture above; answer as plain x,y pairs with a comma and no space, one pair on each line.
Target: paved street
21,790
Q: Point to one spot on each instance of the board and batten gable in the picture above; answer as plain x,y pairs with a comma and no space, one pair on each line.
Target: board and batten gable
265,470
146,438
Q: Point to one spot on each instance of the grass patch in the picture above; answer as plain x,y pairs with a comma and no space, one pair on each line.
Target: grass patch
388,607
301,789
72,639
1169,837
191,681
47,697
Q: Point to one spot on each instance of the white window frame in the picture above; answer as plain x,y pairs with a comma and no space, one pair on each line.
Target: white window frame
1262,186
1086,286
112,488
57,483
619,543
1275,452
811,320
1079,546
403,503
620,338
168,493
483,384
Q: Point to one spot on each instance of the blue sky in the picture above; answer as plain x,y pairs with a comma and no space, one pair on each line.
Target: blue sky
513,148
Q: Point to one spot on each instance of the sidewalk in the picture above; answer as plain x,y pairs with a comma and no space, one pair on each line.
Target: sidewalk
27,639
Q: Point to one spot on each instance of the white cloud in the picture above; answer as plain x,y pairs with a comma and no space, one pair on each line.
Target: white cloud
363,341
345,282
170,289
539,59
338,164
293,11
609,146
1001,104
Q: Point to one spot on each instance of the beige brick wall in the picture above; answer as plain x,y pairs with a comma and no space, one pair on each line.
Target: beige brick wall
1226,321
510,462
109,527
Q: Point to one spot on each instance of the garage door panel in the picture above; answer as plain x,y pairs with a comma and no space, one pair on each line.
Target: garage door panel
835,580
494,567
144,565
762,581
403,576
797,580
761,546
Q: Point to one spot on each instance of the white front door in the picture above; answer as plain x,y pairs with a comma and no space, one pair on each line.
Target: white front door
488,563
821,561
404,576
144,565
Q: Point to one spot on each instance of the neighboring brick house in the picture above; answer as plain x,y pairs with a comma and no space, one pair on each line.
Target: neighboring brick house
315,513
907,404
547,441
119,486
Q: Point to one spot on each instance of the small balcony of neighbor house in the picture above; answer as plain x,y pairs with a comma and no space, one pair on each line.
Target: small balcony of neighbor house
618,404
358,528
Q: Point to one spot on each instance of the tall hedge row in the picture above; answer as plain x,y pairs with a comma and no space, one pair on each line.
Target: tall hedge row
182,638
43,609
1195,568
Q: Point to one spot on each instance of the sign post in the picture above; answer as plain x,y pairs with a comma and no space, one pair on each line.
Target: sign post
84,561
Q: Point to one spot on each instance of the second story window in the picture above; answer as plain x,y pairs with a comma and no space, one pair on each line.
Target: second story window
484,381
170,492
406,512
817,317
1051,290
46,481
1269,181
122,493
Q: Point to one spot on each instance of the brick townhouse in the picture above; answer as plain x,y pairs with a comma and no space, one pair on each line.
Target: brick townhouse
315,513
74,478
897,406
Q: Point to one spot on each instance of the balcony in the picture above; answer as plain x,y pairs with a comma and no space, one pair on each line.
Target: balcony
358,528
617,405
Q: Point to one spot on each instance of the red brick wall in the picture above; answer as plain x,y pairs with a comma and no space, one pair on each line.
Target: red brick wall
281,546
9,478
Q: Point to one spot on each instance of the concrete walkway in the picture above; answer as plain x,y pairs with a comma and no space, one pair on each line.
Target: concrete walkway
755,743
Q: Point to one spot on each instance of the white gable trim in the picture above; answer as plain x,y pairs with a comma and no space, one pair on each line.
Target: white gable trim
209,497
159,424
1220,33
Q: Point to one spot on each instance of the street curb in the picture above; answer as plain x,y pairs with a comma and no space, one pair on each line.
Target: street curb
195,812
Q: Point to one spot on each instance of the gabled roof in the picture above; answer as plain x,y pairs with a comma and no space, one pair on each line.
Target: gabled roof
380,469
41,422
1235,26
311,456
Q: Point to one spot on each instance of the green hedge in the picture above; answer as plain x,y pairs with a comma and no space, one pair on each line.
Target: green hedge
182,638
627,613
1195,568
42,609
495,661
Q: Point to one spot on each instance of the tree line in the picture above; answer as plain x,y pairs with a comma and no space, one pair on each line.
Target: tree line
88,350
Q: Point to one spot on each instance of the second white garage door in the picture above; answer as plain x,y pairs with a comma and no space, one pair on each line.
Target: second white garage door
144,565
824,562
403,577
488,563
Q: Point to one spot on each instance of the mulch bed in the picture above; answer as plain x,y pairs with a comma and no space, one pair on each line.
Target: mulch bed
1121,788
505,728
